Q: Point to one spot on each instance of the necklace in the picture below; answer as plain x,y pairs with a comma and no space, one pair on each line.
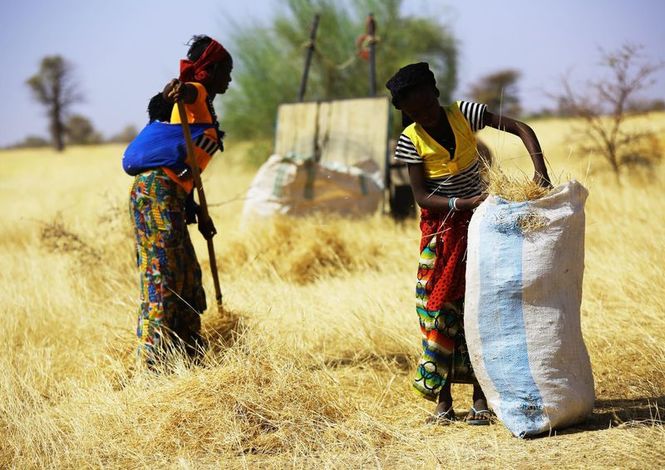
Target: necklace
213,114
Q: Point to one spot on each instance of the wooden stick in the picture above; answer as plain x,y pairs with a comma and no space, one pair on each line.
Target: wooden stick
308,58
370,29
196,175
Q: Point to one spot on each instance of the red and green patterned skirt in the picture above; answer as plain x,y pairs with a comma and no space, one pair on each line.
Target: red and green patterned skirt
172,296
440,301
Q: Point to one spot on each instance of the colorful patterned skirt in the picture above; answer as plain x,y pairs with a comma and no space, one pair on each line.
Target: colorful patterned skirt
172,296
440,302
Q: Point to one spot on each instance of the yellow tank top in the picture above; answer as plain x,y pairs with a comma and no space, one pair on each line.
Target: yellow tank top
436,157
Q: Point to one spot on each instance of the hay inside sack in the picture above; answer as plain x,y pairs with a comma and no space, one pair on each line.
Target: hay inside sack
518,188
513,188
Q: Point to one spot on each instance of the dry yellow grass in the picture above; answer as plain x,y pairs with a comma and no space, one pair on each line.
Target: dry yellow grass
316,370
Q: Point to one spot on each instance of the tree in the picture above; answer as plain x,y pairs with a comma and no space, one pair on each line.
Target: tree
126,135
646,105
54,87
80,131
499,92
605,105
31,141
270,60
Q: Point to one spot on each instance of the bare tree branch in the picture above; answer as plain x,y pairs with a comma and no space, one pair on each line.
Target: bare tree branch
605,104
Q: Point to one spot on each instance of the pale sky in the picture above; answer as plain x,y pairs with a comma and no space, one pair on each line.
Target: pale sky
125,50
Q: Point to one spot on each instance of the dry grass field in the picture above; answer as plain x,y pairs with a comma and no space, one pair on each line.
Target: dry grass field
311,366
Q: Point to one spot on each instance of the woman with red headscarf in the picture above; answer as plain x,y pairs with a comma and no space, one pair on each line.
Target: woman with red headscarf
161,204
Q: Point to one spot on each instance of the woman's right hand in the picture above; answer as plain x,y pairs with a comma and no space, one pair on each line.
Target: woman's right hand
470,203
176,90
542,179
171,91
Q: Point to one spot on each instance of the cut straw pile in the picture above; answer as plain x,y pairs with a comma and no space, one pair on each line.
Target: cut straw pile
302,250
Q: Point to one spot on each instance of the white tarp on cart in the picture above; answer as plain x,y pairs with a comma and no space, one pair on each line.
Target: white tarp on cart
329,156
294,186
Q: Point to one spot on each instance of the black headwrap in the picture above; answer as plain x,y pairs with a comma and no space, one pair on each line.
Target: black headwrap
409,77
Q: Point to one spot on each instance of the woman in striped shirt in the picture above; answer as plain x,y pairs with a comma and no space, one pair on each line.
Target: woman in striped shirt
440,149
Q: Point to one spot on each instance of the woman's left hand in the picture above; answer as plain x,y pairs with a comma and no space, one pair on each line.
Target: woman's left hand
206,227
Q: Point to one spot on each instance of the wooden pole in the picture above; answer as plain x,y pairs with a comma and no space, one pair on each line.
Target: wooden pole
308,57
370,29
196,175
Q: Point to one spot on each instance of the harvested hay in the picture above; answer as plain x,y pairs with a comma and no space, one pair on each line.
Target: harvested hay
303,250
57,238
513,188
222,331
519,188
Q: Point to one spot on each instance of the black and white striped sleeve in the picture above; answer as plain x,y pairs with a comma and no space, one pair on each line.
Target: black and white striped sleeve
207,144
406,152
474,113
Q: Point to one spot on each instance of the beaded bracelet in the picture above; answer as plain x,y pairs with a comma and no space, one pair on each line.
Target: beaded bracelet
452,203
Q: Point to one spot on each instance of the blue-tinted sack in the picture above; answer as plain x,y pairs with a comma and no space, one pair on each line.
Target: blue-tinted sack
159,144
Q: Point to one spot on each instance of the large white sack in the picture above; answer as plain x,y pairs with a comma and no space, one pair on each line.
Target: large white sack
522,310
296,186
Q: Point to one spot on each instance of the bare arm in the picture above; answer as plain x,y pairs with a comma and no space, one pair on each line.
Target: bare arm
427,200
529,139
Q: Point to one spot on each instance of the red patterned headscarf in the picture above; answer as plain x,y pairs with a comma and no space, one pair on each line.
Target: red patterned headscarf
198,71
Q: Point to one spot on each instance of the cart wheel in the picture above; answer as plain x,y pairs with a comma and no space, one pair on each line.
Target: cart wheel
402,204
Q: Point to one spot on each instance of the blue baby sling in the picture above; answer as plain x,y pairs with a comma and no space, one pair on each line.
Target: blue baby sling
159,144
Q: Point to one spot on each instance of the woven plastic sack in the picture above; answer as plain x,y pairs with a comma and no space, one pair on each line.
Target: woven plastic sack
522,313
290,185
